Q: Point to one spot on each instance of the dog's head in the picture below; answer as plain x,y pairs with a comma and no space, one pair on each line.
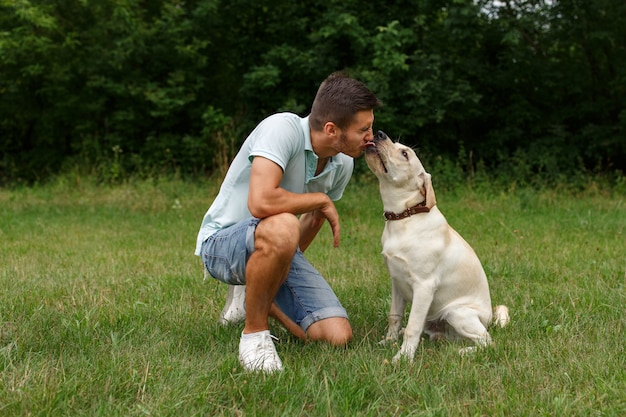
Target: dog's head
402,178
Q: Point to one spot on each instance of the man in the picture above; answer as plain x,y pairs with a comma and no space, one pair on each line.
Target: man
251,235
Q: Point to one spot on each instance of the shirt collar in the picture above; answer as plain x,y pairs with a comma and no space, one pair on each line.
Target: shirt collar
307,134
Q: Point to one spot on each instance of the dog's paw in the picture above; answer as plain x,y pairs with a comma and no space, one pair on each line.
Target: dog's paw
468,350
404,354
388,340
400,357
391,336
501,315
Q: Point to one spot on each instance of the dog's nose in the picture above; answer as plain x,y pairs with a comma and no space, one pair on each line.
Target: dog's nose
380,135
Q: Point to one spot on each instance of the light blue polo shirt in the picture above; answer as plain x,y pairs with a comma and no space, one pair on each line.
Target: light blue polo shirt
284,138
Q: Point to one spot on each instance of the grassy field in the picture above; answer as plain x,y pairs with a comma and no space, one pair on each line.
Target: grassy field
104,311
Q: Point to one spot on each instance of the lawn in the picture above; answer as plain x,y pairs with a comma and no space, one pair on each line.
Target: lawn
104,310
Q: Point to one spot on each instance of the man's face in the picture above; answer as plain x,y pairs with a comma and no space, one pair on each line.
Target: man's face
353,139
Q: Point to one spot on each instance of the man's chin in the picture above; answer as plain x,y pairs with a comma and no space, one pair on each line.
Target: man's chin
353,155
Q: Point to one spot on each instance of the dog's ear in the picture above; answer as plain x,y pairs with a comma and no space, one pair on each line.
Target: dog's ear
428,191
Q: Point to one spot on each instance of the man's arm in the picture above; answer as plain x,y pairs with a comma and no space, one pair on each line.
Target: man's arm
266,198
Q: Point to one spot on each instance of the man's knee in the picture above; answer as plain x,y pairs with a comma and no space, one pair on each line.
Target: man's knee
279,232
335,330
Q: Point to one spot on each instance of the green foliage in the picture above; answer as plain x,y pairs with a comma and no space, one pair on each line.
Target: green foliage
104,83
122,87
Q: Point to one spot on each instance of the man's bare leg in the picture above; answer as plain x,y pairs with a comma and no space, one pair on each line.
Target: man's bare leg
275,242
334,330
287,323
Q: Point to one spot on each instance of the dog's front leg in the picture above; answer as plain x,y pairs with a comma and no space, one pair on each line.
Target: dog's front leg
396,313
422,298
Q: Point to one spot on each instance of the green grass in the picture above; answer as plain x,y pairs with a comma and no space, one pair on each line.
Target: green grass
104,311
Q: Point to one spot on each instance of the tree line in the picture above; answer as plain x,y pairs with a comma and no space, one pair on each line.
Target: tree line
151,87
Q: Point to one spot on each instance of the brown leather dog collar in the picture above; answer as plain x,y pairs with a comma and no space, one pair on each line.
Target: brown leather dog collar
418,208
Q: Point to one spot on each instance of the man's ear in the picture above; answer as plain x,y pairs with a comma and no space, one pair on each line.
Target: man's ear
431,201
331,129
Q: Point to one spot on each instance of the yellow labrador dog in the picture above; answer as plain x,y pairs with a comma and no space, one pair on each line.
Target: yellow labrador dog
430,264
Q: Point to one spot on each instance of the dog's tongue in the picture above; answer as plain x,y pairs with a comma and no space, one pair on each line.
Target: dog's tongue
370,144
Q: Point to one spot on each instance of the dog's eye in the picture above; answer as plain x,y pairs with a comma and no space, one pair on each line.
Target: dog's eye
406,155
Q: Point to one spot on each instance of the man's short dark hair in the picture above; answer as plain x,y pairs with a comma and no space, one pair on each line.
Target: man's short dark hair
338,99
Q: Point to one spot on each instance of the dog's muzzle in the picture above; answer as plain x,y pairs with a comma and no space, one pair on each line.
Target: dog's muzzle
380,135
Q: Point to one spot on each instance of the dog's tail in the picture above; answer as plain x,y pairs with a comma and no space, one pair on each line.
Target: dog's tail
501,315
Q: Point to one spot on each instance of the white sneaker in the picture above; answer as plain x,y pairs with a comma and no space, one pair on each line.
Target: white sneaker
235,308
258,353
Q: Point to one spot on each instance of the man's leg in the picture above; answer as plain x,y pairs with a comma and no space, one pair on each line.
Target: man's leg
315,307
231,254
234,311
335,330
275,242
309,301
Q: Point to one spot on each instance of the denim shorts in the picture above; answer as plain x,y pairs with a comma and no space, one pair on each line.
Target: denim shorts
305,296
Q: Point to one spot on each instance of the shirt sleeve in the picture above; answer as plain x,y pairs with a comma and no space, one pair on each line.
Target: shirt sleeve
276,138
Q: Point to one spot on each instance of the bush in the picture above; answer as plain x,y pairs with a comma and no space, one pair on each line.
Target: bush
528,89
